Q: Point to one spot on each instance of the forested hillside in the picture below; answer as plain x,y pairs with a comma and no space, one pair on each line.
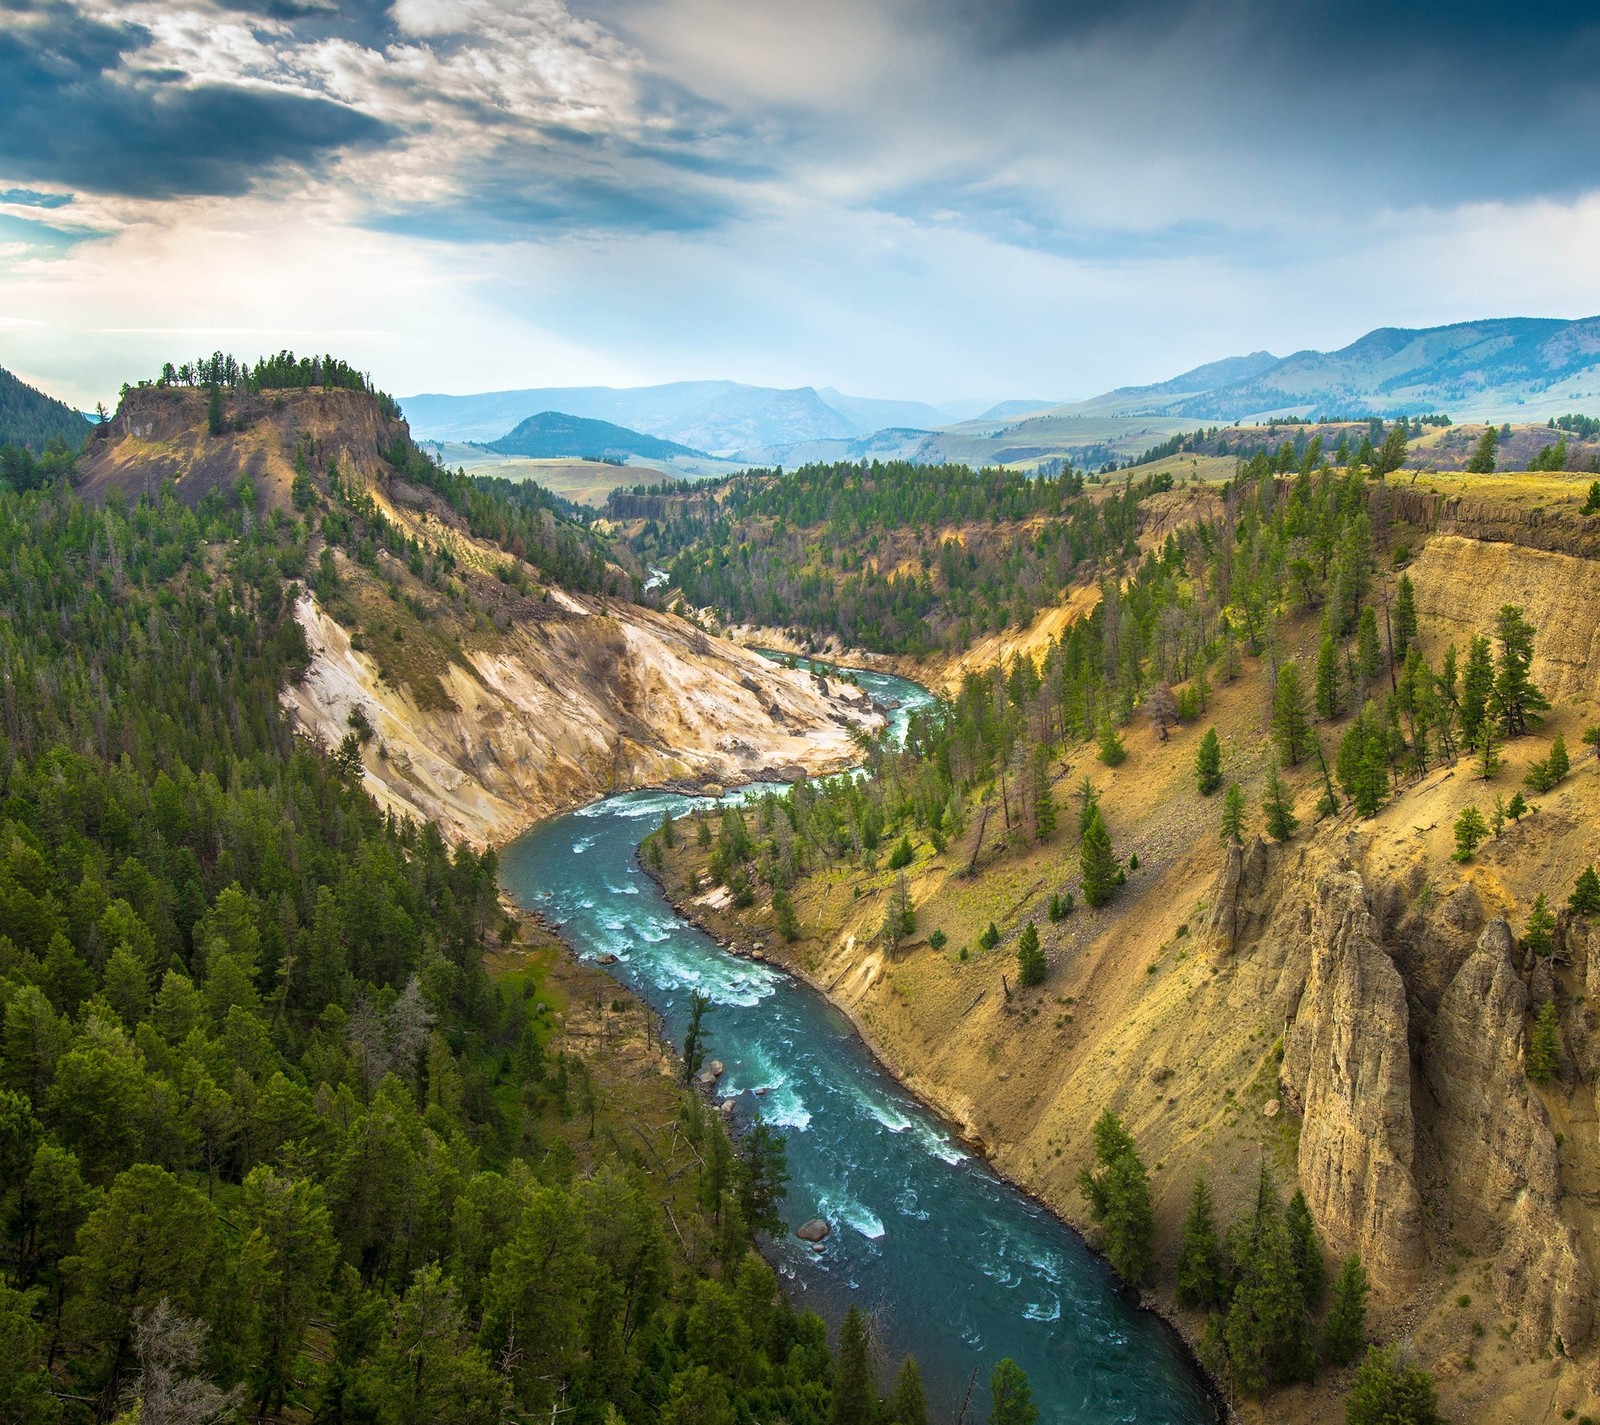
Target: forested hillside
31,419
273,1141
893,558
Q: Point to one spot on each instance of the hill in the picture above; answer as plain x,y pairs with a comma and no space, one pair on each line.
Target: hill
31,419
1500,368
554,433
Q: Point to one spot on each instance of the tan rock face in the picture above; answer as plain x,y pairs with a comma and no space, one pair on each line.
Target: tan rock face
1462,583
1497,1150
608,697
1347,1062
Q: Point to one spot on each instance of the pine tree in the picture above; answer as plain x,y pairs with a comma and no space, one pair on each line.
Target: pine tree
1539,935
1477,682
669,830
1030,958
1233,816
1585,897
1470,830
1544,1048
1392,454
216,413
1390,1391
1110,747
1097,863
1268,1328
783,913
854,1393
1011,1395
1118,1191
1346,1326
1591,505
1326,697
1278,805
906,1404
1404,618
1202,1270
1487,747
1558,761
1306,1250
901,856
1513,698
1369,651
1483,454
1044,802
1291,723
1208,763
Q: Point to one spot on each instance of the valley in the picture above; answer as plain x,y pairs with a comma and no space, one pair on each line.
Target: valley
1337,1009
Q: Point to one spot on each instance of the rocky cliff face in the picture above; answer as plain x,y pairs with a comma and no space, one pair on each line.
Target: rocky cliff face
162,434
600,697
1347,1064
1496,1158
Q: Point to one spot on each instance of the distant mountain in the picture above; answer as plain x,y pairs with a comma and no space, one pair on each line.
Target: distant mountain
555,433
1013,410
29,417
871,414
722,417
1505,367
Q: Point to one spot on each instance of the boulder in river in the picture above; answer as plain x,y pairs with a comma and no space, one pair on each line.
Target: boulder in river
606,959
814,1231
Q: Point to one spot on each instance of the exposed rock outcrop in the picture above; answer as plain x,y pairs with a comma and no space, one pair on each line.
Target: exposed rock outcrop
1236,914
1347,1062
1497,1151
604,697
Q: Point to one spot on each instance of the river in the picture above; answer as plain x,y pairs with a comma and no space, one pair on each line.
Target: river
958,1268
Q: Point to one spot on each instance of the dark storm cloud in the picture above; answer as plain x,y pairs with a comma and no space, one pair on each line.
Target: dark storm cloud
76,108
1370,104
522,205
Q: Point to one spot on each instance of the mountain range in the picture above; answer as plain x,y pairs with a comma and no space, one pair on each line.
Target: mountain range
720,417
1502,368
1499,368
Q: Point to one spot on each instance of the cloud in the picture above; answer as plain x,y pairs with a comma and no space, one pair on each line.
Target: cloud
81,106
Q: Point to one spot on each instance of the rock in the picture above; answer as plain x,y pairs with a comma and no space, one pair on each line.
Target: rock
606,959
1347,1060
1271,1108
791,772
815,1230
1498,1152
758,955
715,1069
1243,874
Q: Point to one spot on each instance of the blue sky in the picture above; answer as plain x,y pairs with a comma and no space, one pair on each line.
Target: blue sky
988,198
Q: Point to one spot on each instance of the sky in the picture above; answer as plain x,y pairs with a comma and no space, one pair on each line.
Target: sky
919,199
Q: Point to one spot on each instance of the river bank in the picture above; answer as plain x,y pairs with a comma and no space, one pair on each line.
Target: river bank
958,1262
742,938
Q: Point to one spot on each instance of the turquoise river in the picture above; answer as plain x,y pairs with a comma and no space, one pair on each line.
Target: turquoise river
958,1267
